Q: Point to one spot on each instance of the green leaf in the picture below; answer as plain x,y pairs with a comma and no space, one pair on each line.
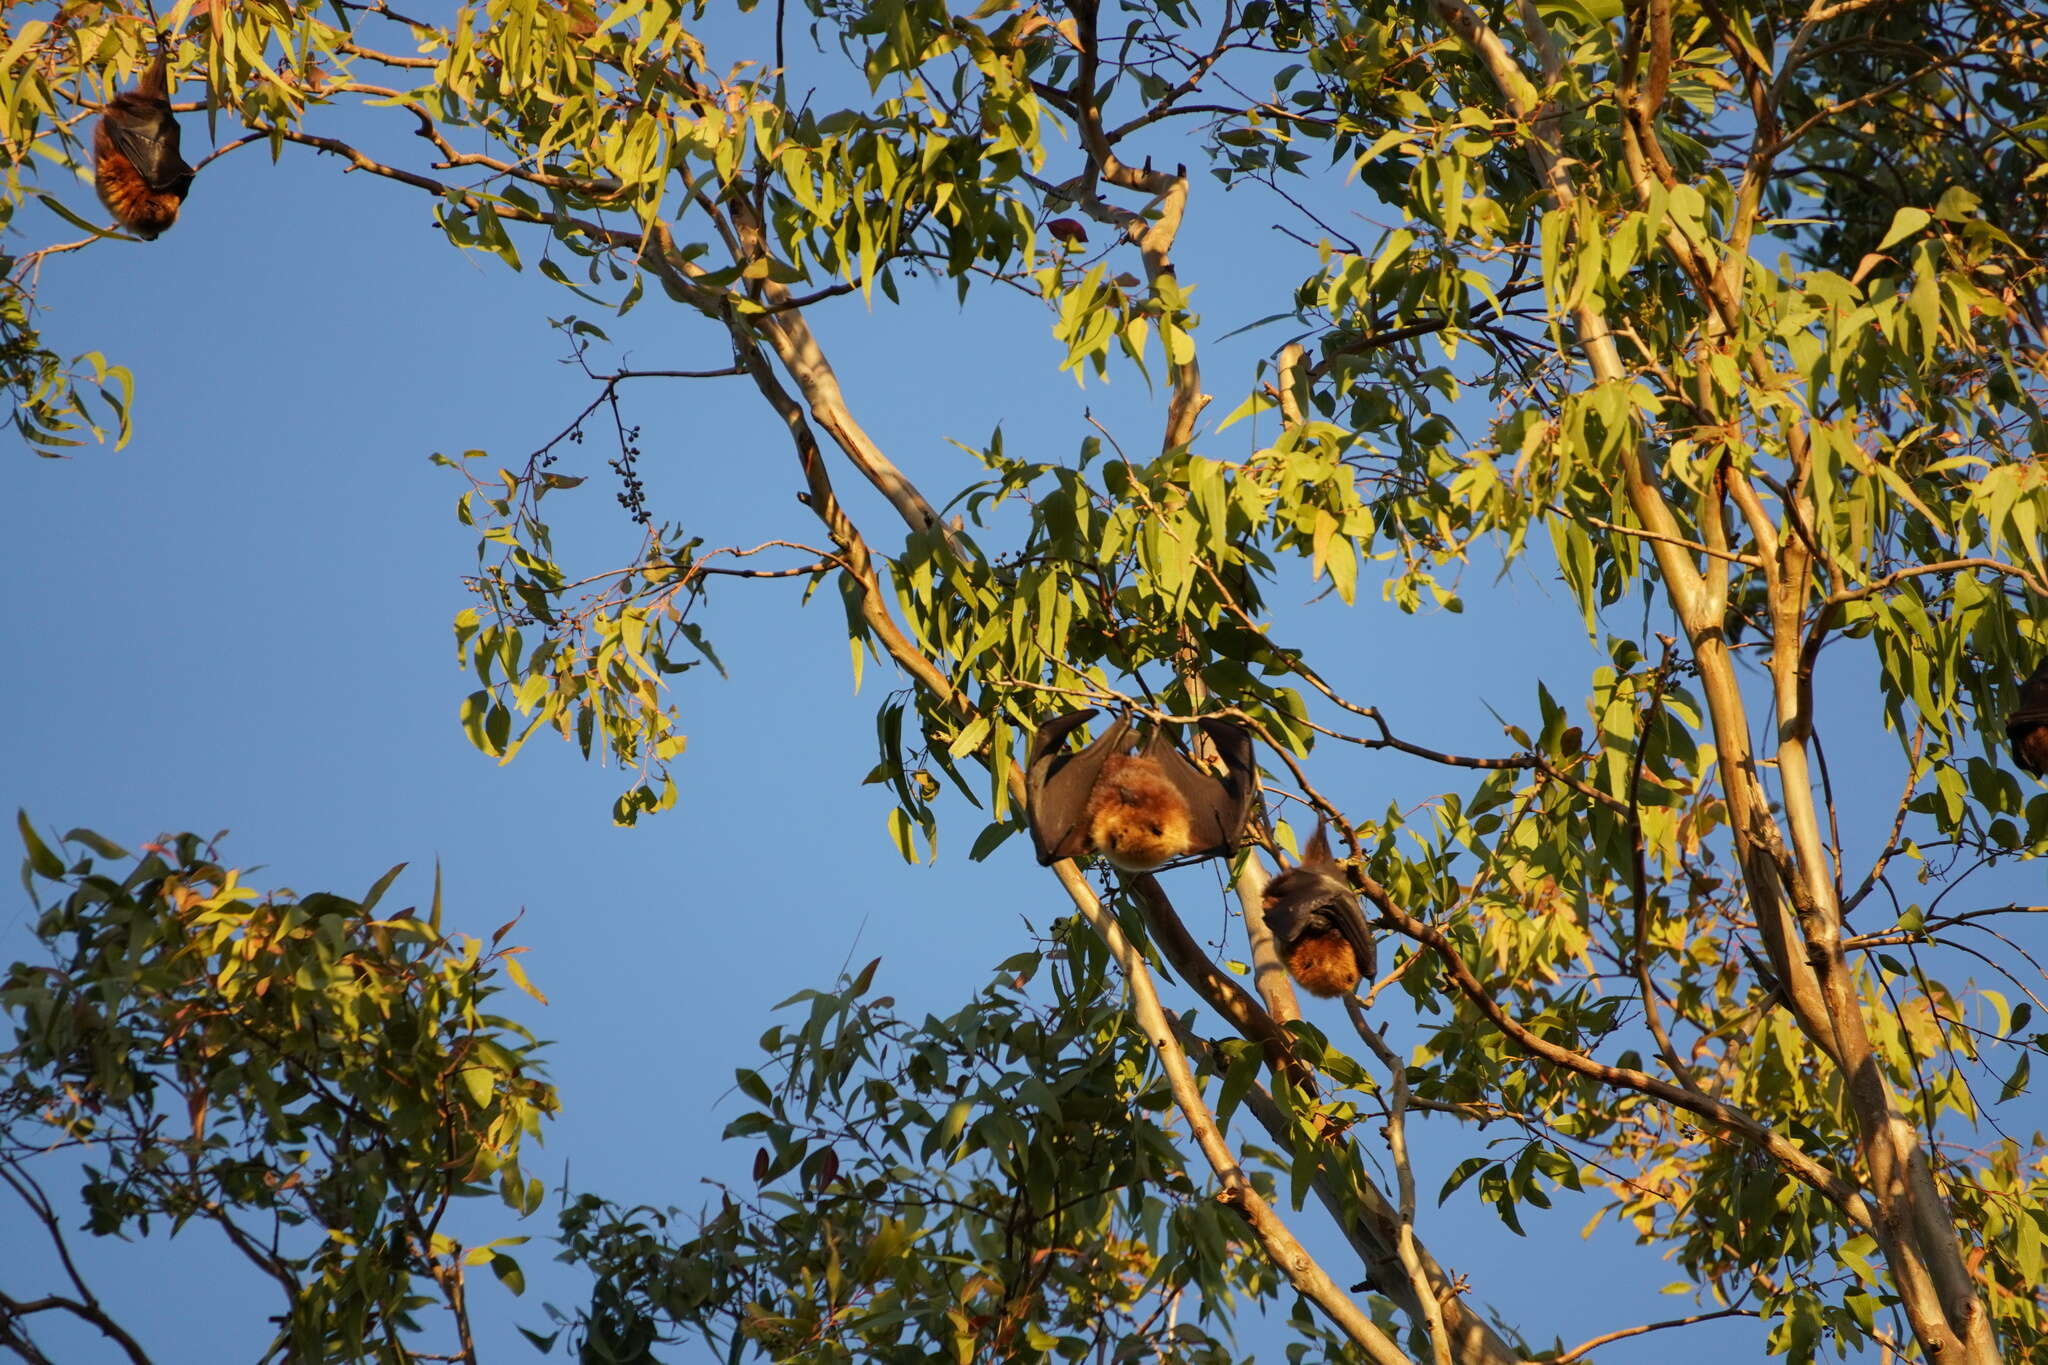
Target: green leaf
902,833
1462,1172
377,890
2016,1084
479,1084
105,847
41,860
508,1272
1905,223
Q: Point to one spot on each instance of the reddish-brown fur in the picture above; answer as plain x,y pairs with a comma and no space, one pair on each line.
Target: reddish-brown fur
1136,818
134,204
2031,746
1324,965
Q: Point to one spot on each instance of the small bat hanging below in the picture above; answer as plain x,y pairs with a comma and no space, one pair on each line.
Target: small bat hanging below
1315,918
137,170
1137,810
2027,727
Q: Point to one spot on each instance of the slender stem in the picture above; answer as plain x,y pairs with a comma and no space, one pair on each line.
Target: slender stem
1404,1174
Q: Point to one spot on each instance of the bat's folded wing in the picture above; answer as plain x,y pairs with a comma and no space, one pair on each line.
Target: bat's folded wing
1313,900
148,137
1289,915
1351,923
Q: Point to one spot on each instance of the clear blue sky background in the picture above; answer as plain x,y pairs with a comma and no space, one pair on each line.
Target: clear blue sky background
241,622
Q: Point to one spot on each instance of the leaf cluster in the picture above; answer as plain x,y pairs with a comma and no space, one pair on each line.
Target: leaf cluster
320,1082
1003,1183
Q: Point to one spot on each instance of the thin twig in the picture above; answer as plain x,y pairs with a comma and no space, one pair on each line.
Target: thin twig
1404,1174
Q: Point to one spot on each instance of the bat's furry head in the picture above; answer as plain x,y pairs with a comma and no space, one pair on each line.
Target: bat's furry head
1137,819
2027,726
1325,965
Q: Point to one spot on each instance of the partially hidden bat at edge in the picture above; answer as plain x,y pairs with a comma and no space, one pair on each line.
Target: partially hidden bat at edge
137,169
1137,810
2027,727
1316,920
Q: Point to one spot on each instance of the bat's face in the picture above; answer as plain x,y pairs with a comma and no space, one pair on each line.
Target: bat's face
1137,819
1324,965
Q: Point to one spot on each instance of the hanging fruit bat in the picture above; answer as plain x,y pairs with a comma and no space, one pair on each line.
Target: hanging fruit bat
2027,727
1137,810
1316,919
136,167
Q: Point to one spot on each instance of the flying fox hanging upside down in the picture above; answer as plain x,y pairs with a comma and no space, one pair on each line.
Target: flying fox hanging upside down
2027,727
1315,917
140,176
1137,810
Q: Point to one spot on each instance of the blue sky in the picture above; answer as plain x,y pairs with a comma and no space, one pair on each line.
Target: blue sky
241,622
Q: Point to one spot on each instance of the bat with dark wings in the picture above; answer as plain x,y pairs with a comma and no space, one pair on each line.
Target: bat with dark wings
137,169
1317,923
1138,810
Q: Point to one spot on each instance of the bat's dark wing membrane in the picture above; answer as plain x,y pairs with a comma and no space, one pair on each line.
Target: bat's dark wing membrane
1314,899
1292,907
1218,806
146,133
1057,784
1351,923
2033,707
1241,775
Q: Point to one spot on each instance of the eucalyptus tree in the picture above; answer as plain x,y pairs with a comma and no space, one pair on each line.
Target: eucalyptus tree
1727,316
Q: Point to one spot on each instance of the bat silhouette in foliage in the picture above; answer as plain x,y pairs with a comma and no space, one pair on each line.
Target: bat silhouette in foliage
1137,810
140,176
1315,918
2027,727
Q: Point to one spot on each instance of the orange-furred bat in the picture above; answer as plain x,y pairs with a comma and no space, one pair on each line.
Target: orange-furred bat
136,167
2027,727
1137,810
1316,920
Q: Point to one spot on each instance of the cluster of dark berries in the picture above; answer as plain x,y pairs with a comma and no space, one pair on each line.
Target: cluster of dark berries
633,495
